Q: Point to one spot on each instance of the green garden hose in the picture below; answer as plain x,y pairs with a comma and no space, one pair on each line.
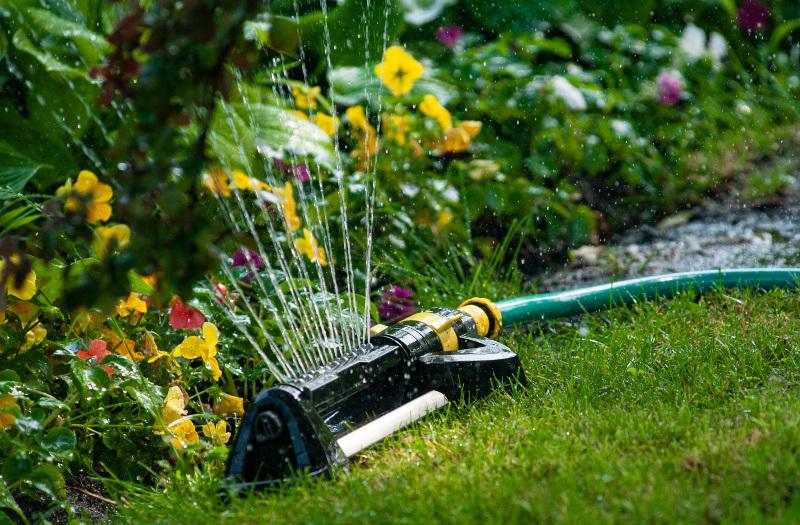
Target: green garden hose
536,307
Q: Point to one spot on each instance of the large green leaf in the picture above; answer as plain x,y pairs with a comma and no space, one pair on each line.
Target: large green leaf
15,170
91,46
240,131
59,441
51,63
49,480
356,28
25,140
356,85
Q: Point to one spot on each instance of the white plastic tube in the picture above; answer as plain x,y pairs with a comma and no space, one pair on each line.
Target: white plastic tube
389,423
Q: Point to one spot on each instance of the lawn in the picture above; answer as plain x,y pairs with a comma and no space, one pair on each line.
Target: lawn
679,411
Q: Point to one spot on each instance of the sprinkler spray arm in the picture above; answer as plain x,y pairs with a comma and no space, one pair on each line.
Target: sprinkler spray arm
407,370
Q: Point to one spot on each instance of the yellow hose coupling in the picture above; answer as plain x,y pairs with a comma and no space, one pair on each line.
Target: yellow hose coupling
487,316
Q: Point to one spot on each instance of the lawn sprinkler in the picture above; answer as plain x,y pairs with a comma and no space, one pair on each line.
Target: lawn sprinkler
317,422
407,370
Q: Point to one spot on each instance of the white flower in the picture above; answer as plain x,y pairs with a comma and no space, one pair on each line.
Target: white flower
693,41
693,44
418,12
571,95
717,47
622,128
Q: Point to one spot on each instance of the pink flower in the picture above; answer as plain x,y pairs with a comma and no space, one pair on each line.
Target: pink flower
670,89
98,349
220,293
753,15
184,317
396,303
449,36
300,172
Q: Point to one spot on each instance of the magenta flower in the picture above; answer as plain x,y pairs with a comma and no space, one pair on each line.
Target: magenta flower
396,303
753,15
670,89
449,36
300,172
240,258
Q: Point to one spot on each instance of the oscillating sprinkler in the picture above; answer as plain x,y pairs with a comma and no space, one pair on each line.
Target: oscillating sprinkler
407,370
319,421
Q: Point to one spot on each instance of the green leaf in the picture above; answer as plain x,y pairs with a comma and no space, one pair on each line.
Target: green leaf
22,42
49,480
7,502
59,441
91,46
3,45
360,300
139,285
781,32
16,466
15,169
239,132
24,139
348,25
9,375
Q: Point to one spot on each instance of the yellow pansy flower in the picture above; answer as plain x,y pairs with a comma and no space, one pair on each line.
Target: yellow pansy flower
357,118
306,97
326,123
25,311
395,129
445,218
308,246
205,348
7,418
174,405
88,194
119,234
34,336
431,107
217,433
399,70
286,196
132,304
183,434
122,345
299,114
229,405
244,182
365,132
460,137
28,287
216,180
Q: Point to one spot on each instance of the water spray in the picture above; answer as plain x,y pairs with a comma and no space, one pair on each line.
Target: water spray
315,423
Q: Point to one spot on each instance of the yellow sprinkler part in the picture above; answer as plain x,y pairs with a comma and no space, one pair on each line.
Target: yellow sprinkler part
487,316
378,328
441,325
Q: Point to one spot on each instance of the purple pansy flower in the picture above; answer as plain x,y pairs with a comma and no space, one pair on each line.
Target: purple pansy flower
670,89
240,258
753,15
299,171
396,303
449,36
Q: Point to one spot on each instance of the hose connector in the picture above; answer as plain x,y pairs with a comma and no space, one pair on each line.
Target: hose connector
488,319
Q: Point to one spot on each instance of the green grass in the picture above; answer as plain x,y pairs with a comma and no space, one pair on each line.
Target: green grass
680,411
